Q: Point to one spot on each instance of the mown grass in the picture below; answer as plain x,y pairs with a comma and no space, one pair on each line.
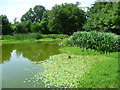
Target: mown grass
78,68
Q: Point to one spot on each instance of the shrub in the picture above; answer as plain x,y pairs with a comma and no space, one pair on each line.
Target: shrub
103,42
28,36
38,36
7,37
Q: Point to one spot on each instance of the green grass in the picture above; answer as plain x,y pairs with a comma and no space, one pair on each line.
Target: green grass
31,37
16,41
102,75
75,68
55,36
27,36
79,51
7,37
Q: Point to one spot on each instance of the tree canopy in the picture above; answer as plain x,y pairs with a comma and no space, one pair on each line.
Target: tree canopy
103,16
6,25
65,18
34,14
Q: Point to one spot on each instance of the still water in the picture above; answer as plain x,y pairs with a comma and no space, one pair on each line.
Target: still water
19,62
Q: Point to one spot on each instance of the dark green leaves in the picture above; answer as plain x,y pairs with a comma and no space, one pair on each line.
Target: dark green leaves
34,14
103,16
103,42
6,25
65,19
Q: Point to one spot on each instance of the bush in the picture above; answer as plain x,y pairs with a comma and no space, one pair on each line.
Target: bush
38,36
103,42
28,36
7,37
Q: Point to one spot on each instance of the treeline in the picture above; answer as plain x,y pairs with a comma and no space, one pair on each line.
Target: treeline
66,19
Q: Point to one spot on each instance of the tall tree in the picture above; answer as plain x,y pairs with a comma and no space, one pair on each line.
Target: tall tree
44,23
24,27
35,27
6,25
103,16
65,18
34,14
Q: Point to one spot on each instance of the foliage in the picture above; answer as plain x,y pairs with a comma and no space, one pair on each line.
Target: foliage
32,36
44,23
35,27
7,37
28,36
24,27
34,14
71,69
103,42
38,36
6,25
64,19
55,36
103,16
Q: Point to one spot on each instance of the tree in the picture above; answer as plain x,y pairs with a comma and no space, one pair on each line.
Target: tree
44,23
23,27
103,16
6,25
34,14
65,18
35,27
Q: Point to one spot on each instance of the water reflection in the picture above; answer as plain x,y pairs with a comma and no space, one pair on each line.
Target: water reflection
16,58
33,51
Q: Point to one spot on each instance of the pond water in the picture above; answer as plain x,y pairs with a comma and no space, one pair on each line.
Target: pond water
19,58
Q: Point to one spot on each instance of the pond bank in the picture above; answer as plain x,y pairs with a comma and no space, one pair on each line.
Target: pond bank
31,37
27,41
82,70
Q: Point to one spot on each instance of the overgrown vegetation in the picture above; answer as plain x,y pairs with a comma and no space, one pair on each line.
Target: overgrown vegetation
75,68
94,33
28,37
103,42
103,16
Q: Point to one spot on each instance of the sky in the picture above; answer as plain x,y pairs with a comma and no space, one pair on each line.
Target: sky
16,8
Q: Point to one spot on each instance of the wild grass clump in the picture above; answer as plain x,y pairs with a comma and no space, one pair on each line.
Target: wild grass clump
28,36
55,36
101,41
7,37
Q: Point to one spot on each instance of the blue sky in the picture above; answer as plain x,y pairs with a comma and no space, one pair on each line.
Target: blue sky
16,8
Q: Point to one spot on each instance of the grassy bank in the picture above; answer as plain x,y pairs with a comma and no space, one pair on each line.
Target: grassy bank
31,37
76,68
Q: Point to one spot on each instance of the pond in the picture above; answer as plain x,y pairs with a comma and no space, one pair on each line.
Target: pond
19,62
